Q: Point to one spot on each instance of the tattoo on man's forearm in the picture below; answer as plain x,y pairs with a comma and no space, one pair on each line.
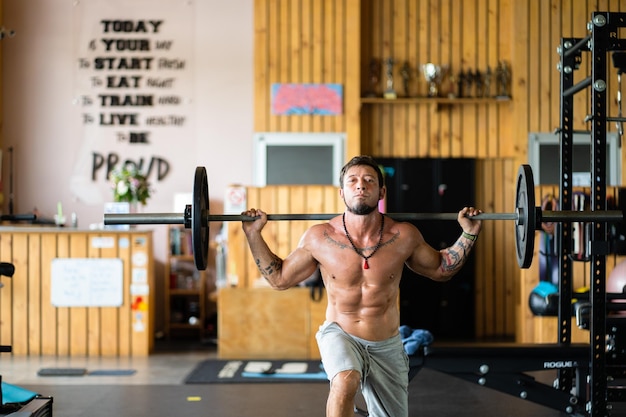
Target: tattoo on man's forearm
274,266
454,257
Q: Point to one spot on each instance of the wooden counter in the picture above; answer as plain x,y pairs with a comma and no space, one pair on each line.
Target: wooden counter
34,326
262,323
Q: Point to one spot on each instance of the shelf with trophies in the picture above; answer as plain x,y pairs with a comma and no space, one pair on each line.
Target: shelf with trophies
443,86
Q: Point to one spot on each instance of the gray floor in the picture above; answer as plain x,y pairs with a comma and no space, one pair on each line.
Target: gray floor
157,389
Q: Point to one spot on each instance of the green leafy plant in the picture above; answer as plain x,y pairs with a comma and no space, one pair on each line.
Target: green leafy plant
129,185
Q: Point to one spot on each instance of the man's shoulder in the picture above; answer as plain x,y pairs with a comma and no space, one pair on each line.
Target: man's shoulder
399,224
321,230
405,231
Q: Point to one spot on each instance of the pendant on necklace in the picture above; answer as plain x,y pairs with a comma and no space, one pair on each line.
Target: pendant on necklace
366,264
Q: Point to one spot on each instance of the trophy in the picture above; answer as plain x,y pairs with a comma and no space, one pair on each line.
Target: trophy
390,92
434,74
503,80
374,77
405,73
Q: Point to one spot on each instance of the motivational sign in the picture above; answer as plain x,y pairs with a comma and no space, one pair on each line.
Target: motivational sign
133,89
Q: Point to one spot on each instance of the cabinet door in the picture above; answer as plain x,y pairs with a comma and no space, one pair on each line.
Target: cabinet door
424,185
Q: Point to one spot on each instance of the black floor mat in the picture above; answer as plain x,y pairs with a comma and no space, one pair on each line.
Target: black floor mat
62,372
254,371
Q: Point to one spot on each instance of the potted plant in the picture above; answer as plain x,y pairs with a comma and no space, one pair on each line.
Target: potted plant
129,185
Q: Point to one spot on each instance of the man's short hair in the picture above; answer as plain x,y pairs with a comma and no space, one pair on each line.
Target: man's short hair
362,160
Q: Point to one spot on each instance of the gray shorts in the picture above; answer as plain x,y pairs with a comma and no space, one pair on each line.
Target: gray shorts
384,368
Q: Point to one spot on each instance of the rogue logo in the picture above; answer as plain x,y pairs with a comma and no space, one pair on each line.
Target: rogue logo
559,364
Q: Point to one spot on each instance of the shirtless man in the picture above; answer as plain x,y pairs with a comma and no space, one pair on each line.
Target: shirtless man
360,255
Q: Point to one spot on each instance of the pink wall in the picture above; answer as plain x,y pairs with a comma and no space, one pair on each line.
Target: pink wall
39,113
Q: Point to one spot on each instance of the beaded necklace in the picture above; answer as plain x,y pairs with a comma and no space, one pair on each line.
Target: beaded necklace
366,264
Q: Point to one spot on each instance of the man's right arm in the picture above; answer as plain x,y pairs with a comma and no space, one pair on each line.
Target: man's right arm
280,274
269,264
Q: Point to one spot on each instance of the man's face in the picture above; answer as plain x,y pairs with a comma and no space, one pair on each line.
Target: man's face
360,189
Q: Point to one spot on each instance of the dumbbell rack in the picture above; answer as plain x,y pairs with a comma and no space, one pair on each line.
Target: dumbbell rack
602,39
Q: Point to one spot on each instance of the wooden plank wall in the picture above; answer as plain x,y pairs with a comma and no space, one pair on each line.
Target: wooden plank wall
472,35
497,272
334,41
418,32
33,326
307,41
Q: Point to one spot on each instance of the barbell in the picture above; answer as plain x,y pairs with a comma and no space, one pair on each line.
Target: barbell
526,217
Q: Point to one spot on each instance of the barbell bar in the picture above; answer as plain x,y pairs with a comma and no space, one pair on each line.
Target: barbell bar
546,216
526,217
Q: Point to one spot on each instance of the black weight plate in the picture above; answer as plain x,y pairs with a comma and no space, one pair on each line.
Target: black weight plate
199,219
525,225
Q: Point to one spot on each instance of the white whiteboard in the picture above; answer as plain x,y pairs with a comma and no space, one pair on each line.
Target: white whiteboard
86,282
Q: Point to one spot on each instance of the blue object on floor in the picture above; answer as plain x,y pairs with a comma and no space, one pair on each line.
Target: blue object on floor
413,339
12,394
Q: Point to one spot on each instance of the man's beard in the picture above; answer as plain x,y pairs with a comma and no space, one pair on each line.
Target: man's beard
361,209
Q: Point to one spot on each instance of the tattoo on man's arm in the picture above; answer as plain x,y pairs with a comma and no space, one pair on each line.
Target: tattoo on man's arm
454,257
274,266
